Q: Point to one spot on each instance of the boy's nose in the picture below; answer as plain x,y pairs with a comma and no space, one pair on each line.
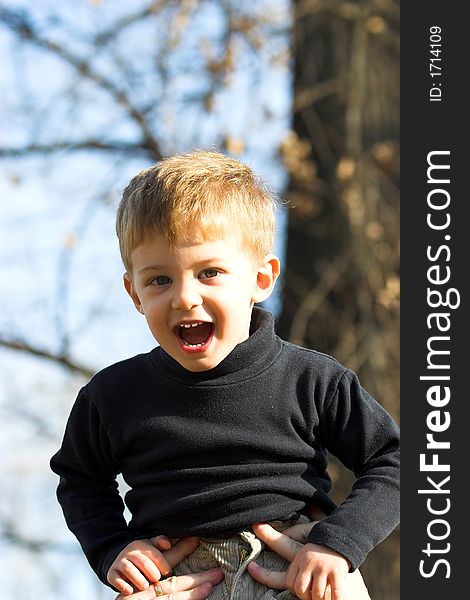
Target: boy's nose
185,297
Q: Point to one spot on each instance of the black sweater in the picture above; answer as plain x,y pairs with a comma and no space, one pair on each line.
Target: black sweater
212,452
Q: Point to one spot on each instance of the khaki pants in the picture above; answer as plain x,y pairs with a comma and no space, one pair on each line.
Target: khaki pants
233,555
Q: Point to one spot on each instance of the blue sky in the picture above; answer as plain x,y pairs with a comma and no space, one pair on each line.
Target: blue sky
60,273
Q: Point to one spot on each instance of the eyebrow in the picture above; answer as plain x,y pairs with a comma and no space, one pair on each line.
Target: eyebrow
199,263
150,268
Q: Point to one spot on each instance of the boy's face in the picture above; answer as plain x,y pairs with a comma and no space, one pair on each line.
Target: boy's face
198,296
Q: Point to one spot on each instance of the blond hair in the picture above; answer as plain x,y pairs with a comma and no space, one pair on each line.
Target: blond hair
217,195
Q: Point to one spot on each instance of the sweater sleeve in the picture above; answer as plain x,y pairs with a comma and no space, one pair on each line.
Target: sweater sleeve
364,437
88,490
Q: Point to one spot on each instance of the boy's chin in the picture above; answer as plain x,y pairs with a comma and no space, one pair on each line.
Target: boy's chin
196,364
203,358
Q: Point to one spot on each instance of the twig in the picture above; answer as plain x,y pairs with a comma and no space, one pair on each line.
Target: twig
57,358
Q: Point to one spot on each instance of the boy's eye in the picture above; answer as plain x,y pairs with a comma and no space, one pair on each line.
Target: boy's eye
209,273
161,280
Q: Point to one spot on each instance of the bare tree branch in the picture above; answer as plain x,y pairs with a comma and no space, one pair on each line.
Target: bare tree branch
11,534
105,36
91,144
39,422
65,361
20,23
309,96
314,298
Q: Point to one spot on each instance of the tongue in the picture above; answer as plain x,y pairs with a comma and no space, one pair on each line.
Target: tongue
196,335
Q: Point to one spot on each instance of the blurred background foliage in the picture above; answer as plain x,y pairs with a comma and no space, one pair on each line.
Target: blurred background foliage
307,92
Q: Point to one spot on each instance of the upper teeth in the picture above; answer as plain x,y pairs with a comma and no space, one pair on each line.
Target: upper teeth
188,325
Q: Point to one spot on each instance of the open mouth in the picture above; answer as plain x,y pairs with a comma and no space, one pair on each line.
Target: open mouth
196,335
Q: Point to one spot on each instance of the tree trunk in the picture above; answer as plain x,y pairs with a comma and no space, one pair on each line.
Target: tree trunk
341,286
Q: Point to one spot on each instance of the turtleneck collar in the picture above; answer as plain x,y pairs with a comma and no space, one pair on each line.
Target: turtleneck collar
246,360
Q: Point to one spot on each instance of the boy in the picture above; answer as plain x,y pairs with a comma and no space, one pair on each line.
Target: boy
223,425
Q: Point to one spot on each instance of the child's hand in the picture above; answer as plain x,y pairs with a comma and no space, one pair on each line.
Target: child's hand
314,569
139,564
315,573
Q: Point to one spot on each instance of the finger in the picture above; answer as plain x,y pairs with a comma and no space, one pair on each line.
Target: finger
299,532
148,594
272,579
115,579
147,567
302,585
198,593
162,542
183,548
280,543
319,587
336,588
158,559
132,574
189,582
291,576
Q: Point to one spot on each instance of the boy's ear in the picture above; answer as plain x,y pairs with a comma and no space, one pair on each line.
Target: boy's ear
268,272
132,293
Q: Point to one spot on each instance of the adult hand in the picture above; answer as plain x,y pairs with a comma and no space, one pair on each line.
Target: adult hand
290,545
184,587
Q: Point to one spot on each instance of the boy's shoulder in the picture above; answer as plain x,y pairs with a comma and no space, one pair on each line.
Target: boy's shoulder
316,373
324,364
122,374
